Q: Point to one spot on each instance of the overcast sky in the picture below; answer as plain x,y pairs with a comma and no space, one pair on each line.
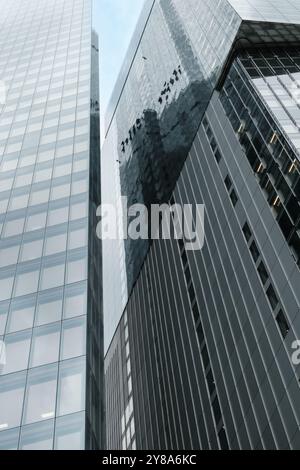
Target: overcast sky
115,21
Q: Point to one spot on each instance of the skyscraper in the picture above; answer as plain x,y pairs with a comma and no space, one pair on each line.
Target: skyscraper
51,382
200,344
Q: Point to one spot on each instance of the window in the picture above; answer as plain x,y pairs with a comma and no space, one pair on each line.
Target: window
73,339
6,285
71,389
45,345
17,352
26,283
52,276
228,183
247,232
234,198
32,250
36,222
11,400
21,315
77,239
58,216
13,227
263,273
40,394
272,297
283,324
37,436
70,433
76,270
9,256
3,316
56,244
75,301
49,307
254,251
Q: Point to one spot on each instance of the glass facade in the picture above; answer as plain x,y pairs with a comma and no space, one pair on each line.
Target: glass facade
158,104
49,297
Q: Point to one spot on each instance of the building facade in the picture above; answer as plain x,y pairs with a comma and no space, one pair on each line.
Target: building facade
199,345
51,380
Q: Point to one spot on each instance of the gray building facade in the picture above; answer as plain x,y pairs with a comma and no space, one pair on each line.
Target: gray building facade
51,383
200,343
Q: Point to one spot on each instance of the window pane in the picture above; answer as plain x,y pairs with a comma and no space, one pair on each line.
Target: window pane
49,308
17,352
37,436
11,400
71,388
3,316
26,283
55,244
9,256
32,250
9,440
77,239
6,286
58,216
36,222
75,301
40,394
70,432
21,315
45,345
13,227
77,270
73,339
53,276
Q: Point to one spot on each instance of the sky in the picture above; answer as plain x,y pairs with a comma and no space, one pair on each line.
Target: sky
115,22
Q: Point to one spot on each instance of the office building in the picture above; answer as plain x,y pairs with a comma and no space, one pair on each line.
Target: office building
199,344
51,394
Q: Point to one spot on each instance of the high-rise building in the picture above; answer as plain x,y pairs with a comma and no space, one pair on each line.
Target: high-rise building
200,344
50,260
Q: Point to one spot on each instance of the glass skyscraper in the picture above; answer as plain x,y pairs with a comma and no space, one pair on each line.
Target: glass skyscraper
199,344
51,393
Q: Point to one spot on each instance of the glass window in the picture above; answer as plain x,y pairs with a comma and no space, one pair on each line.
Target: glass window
36,222
6,285
49,307
52,276
39,197
70,432
45,345
76,270
61,191
9,440
78,238
37,436
58,216
17,352
11,400
75,301
26,283
71,388
21,315
32,250
3,316
9,256
18,202
73,338
23,180
79,211
56,244
13,227
40,394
